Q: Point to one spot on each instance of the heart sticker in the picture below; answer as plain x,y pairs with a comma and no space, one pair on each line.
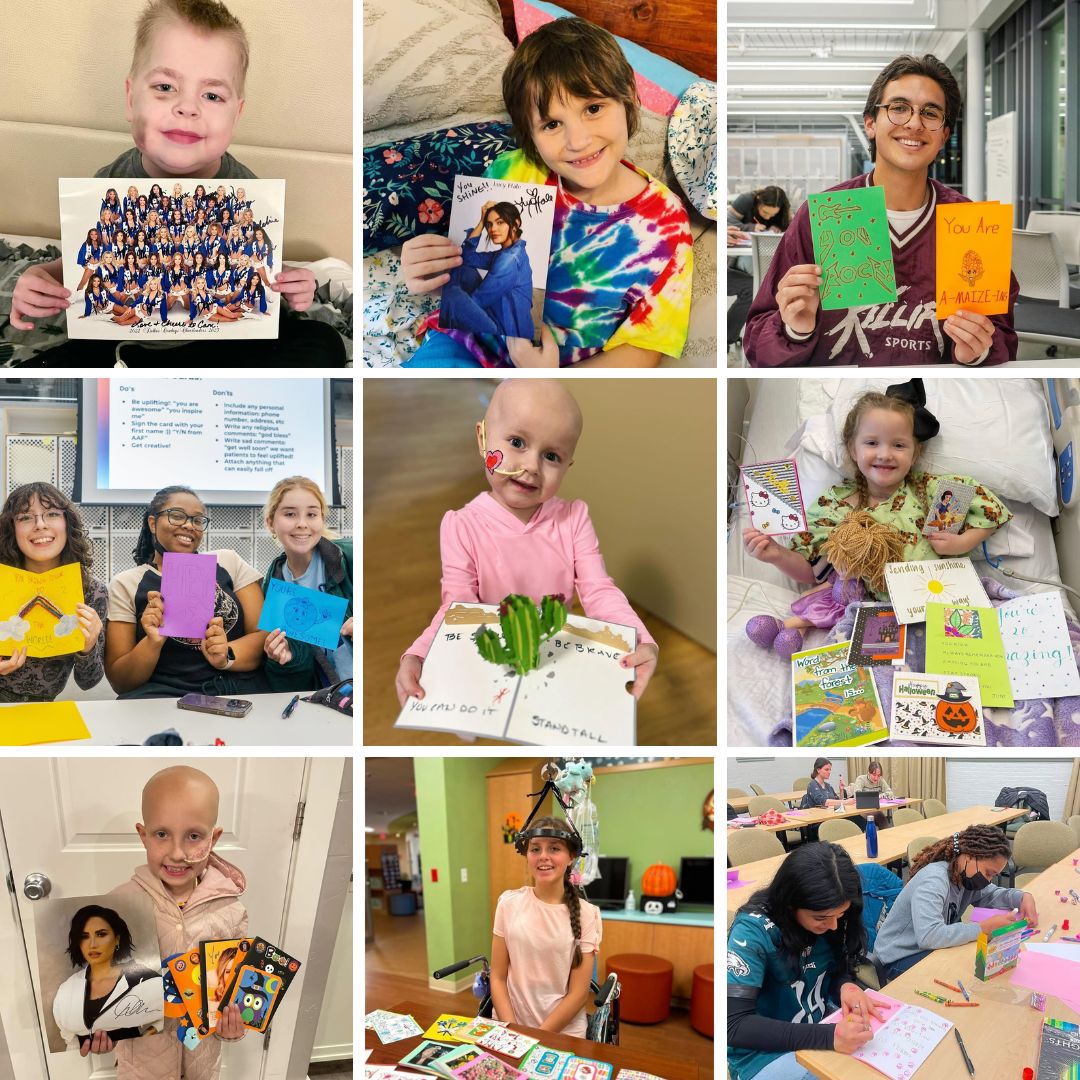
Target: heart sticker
493,459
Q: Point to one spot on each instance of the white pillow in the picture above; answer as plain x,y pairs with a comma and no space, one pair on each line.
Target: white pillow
994,430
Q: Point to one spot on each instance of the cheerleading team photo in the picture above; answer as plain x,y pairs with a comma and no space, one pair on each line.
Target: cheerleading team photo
168,259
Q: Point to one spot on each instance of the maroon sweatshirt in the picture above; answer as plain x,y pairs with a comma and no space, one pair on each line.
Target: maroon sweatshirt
904,332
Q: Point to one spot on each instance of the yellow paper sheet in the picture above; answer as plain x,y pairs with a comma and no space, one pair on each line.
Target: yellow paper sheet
41,722
28,606
974,258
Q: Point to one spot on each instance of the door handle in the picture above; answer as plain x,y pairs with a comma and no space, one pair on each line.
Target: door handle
36,886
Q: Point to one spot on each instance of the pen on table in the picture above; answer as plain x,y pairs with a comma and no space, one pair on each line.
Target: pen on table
932,997
961,1004
1049,933
963,990
287,711
949,986
963,1050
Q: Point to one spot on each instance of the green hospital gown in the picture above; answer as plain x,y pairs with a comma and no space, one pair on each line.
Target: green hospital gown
905,511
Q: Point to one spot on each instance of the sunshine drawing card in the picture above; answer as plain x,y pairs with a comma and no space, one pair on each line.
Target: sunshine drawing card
912,585
974,256
504,231
943,709
774,497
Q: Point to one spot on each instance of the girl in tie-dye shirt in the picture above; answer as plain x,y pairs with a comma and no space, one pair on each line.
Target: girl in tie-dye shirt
618,286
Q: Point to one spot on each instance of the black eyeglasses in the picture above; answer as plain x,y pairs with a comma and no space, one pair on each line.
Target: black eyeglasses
176,516
899,112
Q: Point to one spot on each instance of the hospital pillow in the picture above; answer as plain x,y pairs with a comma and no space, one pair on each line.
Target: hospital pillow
995,430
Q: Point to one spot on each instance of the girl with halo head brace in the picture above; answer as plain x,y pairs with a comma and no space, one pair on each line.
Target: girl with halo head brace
545,936
792,952
859,525
295,515
40,529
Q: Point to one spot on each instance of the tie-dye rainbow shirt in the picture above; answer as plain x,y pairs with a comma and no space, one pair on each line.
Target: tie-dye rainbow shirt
618,275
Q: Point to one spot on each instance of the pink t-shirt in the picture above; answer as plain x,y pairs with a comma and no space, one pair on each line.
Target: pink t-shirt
541,947
487,553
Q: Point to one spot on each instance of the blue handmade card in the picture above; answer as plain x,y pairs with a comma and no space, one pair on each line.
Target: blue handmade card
304,614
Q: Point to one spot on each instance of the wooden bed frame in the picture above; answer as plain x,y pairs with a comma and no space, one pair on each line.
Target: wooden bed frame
683,31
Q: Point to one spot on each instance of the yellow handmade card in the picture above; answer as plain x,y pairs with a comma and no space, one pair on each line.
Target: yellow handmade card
38,610
974,258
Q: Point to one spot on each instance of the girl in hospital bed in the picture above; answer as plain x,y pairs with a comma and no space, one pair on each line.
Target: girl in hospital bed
880,514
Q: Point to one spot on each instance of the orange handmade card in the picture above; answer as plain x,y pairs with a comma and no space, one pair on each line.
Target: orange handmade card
974,257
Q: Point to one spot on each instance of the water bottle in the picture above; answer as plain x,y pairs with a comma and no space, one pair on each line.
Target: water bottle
631,903
871,839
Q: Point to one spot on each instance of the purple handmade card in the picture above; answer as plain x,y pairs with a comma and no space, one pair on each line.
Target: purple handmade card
188,585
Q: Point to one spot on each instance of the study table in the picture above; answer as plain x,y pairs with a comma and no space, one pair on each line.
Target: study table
742,802
126,723
892,845
1002,1035
668,1067
804,819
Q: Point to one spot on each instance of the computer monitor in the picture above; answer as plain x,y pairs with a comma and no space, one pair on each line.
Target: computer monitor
696,880
609,890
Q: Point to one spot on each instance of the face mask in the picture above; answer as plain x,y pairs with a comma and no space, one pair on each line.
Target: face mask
974,882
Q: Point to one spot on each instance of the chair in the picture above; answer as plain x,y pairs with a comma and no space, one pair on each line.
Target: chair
838,830
759,804
1042,313
750,845
763,247
757,789
1040,844
920,843
736,793
1074,824
906,815
1065,225
801,784
933,808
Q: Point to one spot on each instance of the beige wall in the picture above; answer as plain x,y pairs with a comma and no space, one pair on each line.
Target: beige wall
63,114
738,397
646,465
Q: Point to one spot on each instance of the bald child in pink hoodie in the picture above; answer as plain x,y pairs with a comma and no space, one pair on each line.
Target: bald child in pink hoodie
517,537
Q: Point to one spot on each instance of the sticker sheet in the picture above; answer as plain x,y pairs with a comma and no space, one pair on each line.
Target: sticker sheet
942,709
774,497
878,638
949,508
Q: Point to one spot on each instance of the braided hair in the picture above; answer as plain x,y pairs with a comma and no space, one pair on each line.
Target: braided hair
978,841
571,893
865,403
144,546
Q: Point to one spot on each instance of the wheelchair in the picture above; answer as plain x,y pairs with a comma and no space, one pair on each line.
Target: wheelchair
601,1026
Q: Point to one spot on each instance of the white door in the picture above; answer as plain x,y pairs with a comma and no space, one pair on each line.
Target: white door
73,820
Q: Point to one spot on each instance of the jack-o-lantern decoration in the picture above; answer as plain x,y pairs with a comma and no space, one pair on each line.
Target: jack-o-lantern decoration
658,880
955,712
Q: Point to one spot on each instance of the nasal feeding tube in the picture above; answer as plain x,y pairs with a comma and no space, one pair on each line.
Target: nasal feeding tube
493,458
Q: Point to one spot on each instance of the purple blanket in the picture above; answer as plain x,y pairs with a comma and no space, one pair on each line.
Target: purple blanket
1038,722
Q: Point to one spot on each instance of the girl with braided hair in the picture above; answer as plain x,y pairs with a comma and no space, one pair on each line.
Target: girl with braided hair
859,525
545,936
946,879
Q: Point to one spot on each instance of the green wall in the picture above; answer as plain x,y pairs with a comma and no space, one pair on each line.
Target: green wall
451,806
653,815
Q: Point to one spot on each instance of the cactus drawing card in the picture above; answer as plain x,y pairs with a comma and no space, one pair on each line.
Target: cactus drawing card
577,692
259,982
774,497
974,256
850,231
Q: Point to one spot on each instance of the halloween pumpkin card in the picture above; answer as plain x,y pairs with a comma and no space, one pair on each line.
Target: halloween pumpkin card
942,709
966,641
974,257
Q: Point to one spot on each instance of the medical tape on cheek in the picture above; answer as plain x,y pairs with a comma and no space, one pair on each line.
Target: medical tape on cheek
204,853
493,458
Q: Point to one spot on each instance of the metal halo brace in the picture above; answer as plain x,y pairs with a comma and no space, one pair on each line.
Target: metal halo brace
569,835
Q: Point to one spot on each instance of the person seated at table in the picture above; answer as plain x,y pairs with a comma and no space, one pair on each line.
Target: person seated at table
819,792
295,514
946,879
40,529
140,661
791,957
873,781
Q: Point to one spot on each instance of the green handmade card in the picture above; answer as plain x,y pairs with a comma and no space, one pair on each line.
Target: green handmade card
850,230
967,641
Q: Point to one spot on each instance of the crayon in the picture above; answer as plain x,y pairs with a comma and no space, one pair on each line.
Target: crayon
932,997
949,986
961,1004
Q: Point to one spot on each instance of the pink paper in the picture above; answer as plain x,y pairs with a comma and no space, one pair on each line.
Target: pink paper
188,585
875,1024
1047,974
978,914
737,884
796,813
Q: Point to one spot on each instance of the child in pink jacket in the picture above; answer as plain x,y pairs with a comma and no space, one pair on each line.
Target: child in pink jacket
196,897
518,537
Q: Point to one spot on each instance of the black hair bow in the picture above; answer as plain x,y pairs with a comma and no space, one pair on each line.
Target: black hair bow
926,423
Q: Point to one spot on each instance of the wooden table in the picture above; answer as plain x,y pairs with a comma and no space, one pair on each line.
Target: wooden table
892,845
804,819
742,802
1002,1034
668,1067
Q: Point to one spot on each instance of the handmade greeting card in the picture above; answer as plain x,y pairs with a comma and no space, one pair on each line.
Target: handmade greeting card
477,1029
504,1041
304,614
967,641
1038,651
98,940
171,260
579,1068
949,508
912,585
936,709
393,1027
262,974
218,959
773,497
577,692
458,1057
446,1027
487,1067
37,611
543,1063
878,637
504,231
425,1055
974,256
850,231
188,591
833,703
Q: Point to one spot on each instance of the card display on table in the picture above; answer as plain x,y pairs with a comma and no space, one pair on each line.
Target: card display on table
543,1063
393,1027
942,709
426,1055
37,611
967,641
188,592
912,585
1038,650
974,256
504,1041
581,1068
774,497
304,614
477,1029
833,703
850,231
878,637
487,1067
949,507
